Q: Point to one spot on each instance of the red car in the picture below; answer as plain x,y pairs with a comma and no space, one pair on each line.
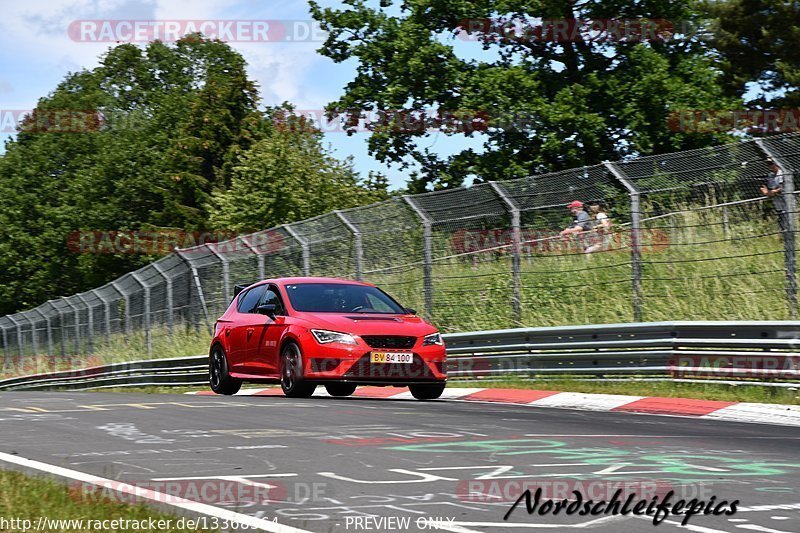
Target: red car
302,332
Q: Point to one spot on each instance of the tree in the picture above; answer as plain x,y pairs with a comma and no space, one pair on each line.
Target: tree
288,176
539,103
758,42
148,134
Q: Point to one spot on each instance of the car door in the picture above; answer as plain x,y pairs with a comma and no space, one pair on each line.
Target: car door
246,320
266,349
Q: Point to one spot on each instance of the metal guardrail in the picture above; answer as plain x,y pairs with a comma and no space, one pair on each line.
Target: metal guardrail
749,351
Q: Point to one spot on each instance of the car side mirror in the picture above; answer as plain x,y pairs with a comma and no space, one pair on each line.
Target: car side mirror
410,311
267,309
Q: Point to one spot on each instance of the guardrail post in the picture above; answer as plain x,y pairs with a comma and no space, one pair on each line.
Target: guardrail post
168,281
127,300
636,223
358,244
516,250
77,325
198,286
303,246
787,224
427,254
147,334
90,323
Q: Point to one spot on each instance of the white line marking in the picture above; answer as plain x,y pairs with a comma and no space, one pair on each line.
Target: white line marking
582,525
188,505
690,527
754,527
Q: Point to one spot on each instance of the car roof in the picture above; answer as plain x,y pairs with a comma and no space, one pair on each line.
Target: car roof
311,279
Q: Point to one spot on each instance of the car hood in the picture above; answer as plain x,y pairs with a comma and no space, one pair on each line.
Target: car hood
369,324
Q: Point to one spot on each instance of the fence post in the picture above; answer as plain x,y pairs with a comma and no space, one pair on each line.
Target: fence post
262,271
7,361
147,334
516,250
60,327
198,286
427,254
34,340
226,280
358,244
77,325
636,222
168,281
90,322
787,224
18,326
49,330
127,300
106,315
303,246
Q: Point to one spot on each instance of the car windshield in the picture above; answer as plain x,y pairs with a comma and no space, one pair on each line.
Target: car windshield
341,298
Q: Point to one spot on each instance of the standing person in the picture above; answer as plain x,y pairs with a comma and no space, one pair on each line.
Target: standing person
581,221
602,224
773,188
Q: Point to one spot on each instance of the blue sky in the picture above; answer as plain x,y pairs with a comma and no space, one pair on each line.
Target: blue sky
36,52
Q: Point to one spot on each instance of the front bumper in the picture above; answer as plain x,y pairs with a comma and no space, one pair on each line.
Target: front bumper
352,364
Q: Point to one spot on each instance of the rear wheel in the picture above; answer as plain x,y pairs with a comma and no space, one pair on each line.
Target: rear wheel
427,392
218,377
340,389
292,381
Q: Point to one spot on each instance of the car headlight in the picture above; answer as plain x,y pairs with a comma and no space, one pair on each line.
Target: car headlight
434,339
324,336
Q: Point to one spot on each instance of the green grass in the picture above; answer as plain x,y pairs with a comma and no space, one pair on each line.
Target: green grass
26,497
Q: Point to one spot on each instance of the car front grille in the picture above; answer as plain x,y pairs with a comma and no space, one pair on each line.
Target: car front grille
388,341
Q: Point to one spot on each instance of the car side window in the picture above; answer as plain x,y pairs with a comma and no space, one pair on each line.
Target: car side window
272,297
248,300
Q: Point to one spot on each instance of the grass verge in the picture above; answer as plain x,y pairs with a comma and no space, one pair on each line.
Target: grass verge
28,498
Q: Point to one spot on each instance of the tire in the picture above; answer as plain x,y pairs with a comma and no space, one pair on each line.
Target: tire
219,379
427,392
340,389
292,381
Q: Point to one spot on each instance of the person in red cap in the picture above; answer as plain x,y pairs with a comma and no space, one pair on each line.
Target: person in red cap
581,221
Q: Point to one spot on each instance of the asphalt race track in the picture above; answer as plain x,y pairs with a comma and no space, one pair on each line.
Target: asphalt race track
359,464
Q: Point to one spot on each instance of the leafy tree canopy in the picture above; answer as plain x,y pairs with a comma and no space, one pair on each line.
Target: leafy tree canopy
552,103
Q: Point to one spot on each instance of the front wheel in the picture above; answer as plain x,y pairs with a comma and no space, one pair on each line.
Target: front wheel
292,381
340,389
218,377
427,392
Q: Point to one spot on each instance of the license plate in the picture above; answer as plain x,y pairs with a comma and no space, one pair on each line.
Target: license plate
391,357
